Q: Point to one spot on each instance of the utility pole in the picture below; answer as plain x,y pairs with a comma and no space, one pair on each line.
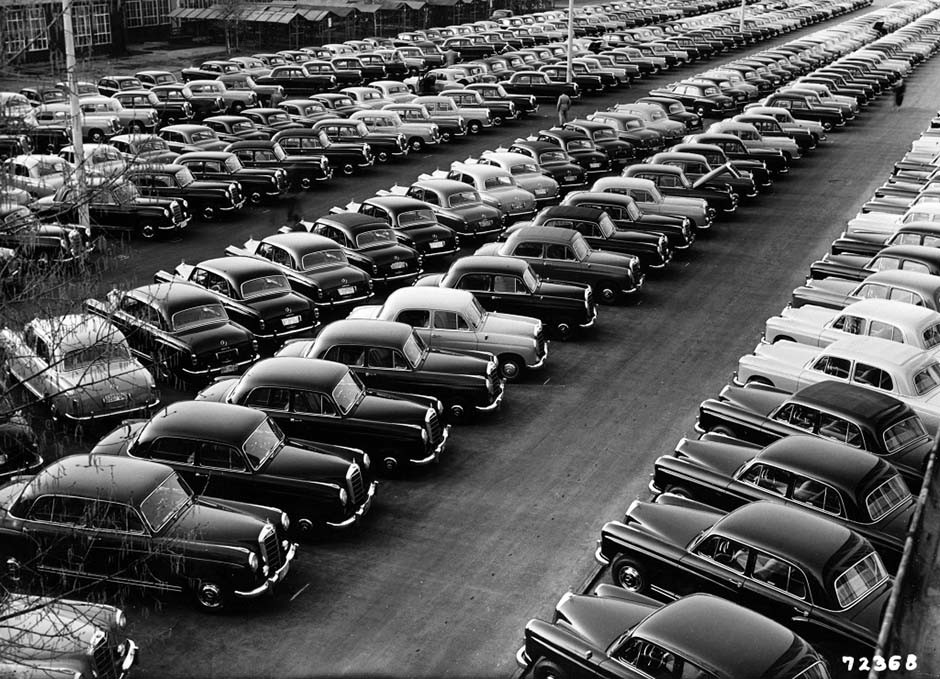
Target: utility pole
741,18
570,77
75,113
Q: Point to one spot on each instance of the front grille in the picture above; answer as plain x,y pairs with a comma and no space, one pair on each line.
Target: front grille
540,343
105,665
356,486
435,430
270,550
177,212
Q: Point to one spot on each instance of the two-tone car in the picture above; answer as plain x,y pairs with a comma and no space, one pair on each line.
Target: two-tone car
916,258
553,160
454,320
418,134
651,201
38,175
835,480
324,401
79,366
315,266
496,187
912,287
392,356
231,452
384,146
141,520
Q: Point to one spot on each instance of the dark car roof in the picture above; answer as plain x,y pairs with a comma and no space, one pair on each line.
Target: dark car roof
699,627
835,463
291,372
400,202
353,222
587,214
226,422
589,124
301,242
365,331
171,168
187,127
171,297
205,155
250,144
850,400
549,234
563,133
921,252
488,264
239,269
808,540
120,479
536,146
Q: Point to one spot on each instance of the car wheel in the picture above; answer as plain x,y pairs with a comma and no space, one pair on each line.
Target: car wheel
382,156
510,367
457,411
416,144
135,126
306,183
474,127
723,430
546,669
148,231
606,293
390,464
254,198
207,213
700,111
827,126
446,136
97,136
783,338
563,331
237,107
210,596
498,121
680,491
629,574
348,169
13,570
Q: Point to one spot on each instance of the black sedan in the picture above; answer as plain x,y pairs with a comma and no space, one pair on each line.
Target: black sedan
580,147
256,294
553,160
323,401
606,140
811,574
303,172
509,285
415,224
257,183
919,258
843,412
617,634
207,199
346,157
458,206
525,104
392,356
315,266
181,330
236,453
842,483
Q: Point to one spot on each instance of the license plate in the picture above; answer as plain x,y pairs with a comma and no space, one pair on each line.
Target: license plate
114,398
486,222
290,320
595,164
228,368
436,245
346,290
399,265
541,192
570,177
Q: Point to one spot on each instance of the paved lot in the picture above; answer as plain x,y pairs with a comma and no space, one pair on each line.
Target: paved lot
443,575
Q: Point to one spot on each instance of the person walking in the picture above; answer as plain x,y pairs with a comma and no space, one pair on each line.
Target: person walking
563,107
899,93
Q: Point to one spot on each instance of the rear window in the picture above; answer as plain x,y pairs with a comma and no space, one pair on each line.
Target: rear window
265,285
857,581
886,497
931,336
313,260
927,380
899,436
416,217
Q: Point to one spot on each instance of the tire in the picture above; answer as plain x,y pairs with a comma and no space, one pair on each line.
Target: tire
510,367
254,198
563,331
389,464
207,213
416,144
498,121
382,156
457,411
700,111
135,127
606,292
148,231
546,669
446,136
681,491
629,574
306,183
474,127
348,169
210,596
237,108
96,136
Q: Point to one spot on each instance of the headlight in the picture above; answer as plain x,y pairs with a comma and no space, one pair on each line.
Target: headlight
343,496
424,435
285,521
166,213
120,620
366,461
253,561
185,204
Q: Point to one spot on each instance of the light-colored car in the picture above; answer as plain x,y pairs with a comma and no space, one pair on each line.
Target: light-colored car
48,638
369,97
418,134
497,187
887,223
453,319
525,172
820,327
96,127
100,159
80,366
38,175
394,91
787,121
131,119
753,139
477,118
652,201
906,372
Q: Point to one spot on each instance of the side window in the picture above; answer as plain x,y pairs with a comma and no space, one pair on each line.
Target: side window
850,324
508,284
884,264
531,250
919,267
117,517
885,331
380,357
71,511
350,355
905,296
276,255
769,478
726,552
798,416
650,659
872,376
219,456
172,450
476,281
873,291
271,398
312,403
779,575
840,430
558,251
416,318
815,494
833,366
449,320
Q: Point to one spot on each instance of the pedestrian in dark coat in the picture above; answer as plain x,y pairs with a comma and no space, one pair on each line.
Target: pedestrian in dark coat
899,93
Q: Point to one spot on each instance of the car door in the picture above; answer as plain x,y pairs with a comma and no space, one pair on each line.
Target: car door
450,330
510,295
419,319
715,564
481,285
561,264
54,526
776,587
386,368
531,252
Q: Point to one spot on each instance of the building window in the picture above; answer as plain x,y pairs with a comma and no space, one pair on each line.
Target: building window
81,25
15,31
38,32
101,23
132,14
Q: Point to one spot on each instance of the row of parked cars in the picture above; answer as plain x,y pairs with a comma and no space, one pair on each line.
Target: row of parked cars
793,504
309,429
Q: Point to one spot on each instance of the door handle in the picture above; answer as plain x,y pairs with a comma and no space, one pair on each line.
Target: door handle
737,583
296,420
801,612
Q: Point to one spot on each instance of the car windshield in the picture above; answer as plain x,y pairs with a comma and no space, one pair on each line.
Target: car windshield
376,237
900,435
606,225
124,193
278,118
889,495
497,182
579,144
414,350
242,126
633,212
347,393
463,198
184,177
632,124
233,164
314,260
202,135
856,582
312,110
165,501
100,352
710,91
416,217
605,134
553,157
676,108
264,285
198,316
580,246
342,101
474,314
263,443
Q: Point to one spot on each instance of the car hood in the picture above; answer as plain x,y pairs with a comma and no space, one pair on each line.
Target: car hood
554,289
715,456
760,401
454,363
389,407
599,257
509,324
601,620
307,464
674,524
48,630
203,520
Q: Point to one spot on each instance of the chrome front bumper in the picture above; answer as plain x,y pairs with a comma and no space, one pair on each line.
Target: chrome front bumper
435,454
361,512
496,401
272,580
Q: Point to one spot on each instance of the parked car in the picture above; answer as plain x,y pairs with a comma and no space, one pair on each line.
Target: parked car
843,412
274,119
414,222
258,183
149,79
392,356
540,85
790,560
697,169
38,175
315,266
449,125
835,480
477,118
96,128
497,188
453,320
168,111
916,258
207,199
303,172
605,139
418,135
553,160
181,331
79,366
510,286
906,286
563,255
136,119
176,100
299,80
305,112
735,149
716,156
525,104
143,148
323,401
267,95
345,130
914,233
230,452
216,551
210,70
369,243
526,173
183,138
617,633
345,157
231,128
233,101
672,181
